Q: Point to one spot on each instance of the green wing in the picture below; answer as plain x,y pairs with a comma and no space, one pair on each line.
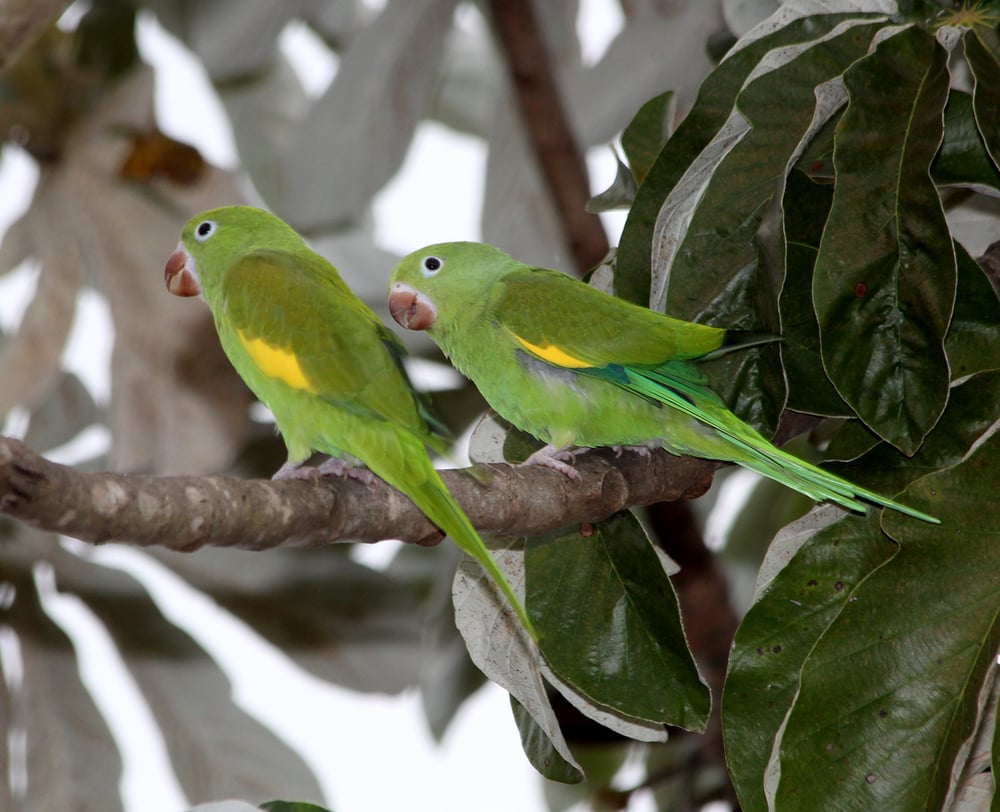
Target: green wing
298,307
567,323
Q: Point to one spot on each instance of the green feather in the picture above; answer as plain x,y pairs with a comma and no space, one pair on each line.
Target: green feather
576,367
323,363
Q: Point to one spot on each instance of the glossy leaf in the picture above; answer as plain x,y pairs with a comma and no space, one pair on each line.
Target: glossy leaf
720,273
646,134
805,206
819,563
984,63
963,160
609,623
885,275
963,423
714,104
973,340
888,695
538,747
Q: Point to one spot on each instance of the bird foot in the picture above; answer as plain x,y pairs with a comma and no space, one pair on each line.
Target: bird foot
641,450
561,459
334,466
296,470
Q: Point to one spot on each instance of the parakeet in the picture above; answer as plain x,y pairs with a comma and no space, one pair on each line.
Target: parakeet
576,367
324,364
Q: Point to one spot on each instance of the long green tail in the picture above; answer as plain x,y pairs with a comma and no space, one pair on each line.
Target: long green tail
431,495
686,393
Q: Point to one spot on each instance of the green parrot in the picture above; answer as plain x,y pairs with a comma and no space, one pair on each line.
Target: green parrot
320,359
578,368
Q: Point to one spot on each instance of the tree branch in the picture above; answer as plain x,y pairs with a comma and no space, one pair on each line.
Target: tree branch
548,129
185,513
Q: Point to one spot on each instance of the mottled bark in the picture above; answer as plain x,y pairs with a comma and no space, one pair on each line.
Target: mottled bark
185,513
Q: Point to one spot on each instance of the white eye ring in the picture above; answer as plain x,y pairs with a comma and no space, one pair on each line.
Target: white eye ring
204,230
430,266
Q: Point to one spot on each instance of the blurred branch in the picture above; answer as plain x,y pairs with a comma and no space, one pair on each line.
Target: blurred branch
22,22
548,129
185,513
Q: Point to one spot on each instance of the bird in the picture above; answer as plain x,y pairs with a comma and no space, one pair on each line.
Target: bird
325,365
578,368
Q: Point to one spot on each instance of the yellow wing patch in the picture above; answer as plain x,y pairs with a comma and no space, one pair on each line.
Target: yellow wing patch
552,354
276,362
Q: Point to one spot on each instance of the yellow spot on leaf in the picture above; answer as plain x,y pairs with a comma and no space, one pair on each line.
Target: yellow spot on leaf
276,362
552,354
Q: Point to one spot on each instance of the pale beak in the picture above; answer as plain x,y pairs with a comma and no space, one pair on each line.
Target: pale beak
410,308
179,274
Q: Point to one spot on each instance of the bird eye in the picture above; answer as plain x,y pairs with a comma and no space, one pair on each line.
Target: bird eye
205,229
431,265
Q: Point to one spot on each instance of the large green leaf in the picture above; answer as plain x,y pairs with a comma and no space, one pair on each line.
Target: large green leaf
964,422
645,136
962,159
793,608
714,104
889,693
609,623
805,207
985,67
538,747
973,340
721,273
885,276
780,630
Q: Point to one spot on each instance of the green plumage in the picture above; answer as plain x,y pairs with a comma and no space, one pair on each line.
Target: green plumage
576,367
320,359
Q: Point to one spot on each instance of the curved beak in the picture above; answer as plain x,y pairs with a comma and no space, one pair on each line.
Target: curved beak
410,308
179,274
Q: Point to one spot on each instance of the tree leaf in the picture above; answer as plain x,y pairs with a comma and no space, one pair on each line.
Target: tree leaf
292,806
962,159
985,68
192,415
917,638
813,580
805,207
609,623
540,751
497,643
619,195
885,276
646,134
712,108
352,141
190,697
70,754
973,340
232,38
340,620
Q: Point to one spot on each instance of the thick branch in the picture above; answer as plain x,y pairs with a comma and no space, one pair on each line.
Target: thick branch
548,129
185,513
